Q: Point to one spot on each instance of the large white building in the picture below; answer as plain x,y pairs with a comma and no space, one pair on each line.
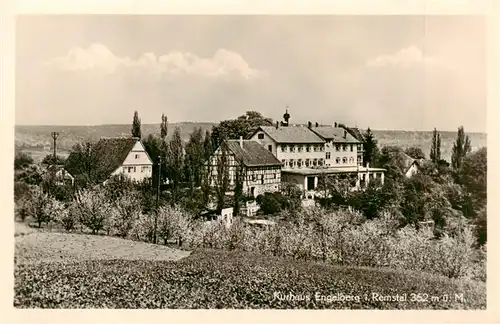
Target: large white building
310,152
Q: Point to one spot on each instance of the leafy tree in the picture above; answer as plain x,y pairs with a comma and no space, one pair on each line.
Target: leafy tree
118,186
371,148
239,127
22,160
221,178
124,212
473,176
176,161
163,127
92,208
460,149
392,158
195,153
415,152
435,154
206,176
49,159
32,175
82,163
38,207
270,203
238,188
154,147
136,126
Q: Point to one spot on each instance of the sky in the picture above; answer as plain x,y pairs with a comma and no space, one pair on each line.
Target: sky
383,72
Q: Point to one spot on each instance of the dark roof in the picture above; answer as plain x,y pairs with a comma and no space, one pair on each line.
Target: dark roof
109,154
409,161
292,134
336,134
252,153
354,131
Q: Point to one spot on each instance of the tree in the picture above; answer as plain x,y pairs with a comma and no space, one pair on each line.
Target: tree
195,153
415,152
22,160
238,188
37,207
239,127
460,149
154,148
392,159
371,148
176,161
163,127
206,176
269,202
92,208
49,159
435,154
82,163
221,179
473,176
125,212
136,126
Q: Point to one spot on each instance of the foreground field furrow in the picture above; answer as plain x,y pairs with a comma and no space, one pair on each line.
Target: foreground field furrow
221,279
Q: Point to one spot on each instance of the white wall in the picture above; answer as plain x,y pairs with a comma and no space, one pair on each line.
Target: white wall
350,156
137,165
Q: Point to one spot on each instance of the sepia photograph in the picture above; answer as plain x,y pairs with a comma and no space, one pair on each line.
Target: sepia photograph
250,162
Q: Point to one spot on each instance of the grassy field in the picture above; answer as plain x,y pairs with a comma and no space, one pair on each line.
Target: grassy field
55,270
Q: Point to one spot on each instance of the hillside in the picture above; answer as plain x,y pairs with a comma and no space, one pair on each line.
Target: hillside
214,279
37,140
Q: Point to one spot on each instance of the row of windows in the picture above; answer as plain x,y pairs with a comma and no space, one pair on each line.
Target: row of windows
257,177
344,159
133,169
300,163
302,148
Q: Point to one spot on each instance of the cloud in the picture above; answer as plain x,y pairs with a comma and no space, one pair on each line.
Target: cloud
406,58
98,57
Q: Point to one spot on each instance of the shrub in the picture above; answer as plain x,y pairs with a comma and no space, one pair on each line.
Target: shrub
143,228
22,190
270,203
173,222
37,207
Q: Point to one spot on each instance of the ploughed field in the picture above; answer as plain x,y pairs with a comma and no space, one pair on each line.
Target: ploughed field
55,270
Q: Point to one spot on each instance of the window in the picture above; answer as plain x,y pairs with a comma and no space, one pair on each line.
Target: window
137,156
270,148
337,147
307,162
359,147
351,160
253,177
352,147
292,163
345,147
260,136
282,162
299,163
292,148
283,148
320,162
308,149
275,176
344,160
328,155
299,148
315,162
315,148
135,169
286,164
337,160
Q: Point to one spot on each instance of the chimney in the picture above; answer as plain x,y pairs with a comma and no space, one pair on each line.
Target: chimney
335,124
317,124
309,124
277,125
241,141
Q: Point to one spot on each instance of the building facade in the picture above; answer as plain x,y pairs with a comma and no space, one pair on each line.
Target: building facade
341,148
295,147
259,169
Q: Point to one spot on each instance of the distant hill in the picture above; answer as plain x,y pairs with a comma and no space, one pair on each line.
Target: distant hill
37,140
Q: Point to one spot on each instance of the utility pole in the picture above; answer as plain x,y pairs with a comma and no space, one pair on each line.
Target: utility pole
157,198
54,136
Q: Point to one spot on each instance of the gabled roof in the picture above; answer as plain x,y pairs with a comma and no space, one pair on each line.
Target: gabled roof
336,134
108,155
356,133
252,153
409,161
292,134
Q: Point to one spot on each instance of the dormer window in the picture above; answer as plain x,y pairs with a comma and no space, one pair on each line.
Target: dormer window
260,136
137,156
